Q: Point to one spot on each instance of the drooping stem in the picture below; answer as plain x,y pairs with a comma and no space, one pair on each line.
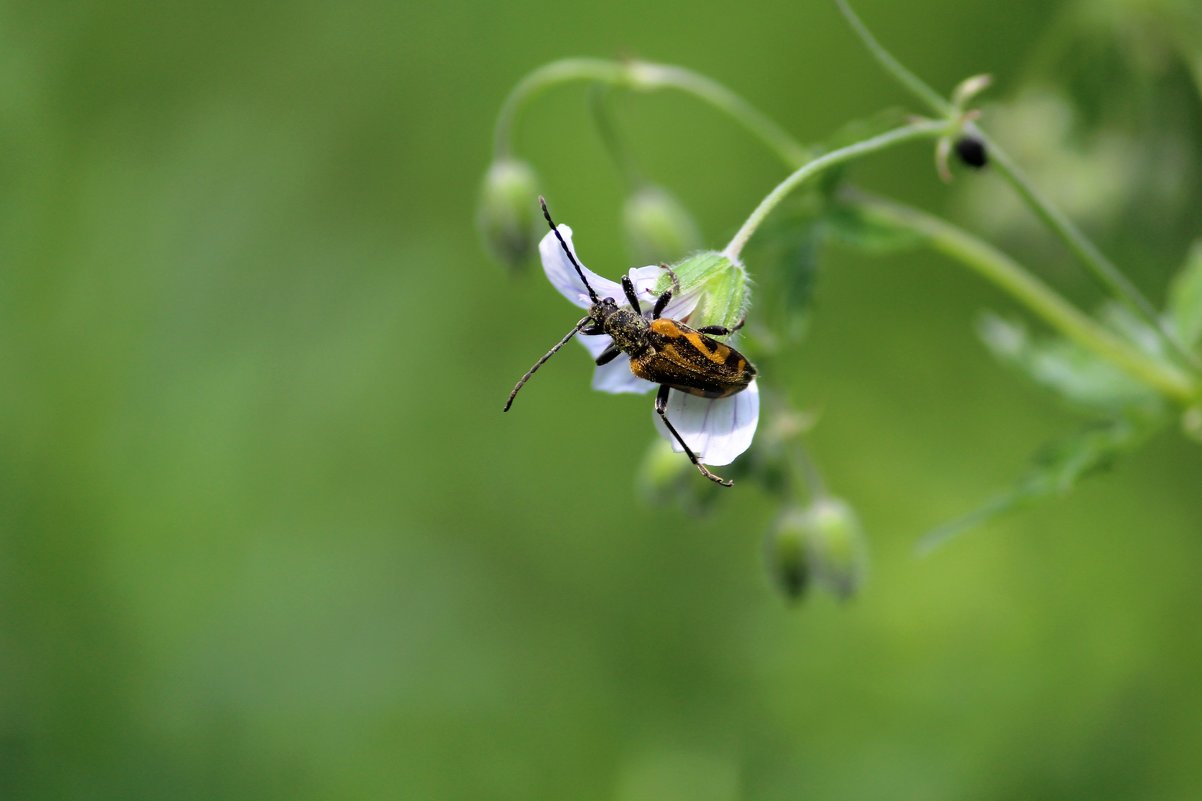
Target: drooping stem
615,145
1008,275
566,70
643,76
916,130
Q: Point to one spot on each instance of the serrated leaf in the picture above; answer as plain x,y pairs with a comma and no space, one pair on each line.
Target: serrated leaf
1072,373
1185,298
1056,469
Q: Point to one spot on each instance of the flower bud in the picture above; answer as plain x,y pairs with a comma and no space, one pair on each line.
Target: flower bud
836,547
665,479
822,544
507,212
658,227
719,285
788,561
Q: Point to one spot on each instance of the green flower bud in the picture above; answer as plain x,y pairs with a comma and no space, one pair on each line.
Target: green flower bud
720,285
665,479
836,546
658,227
507,214
788,559
822,544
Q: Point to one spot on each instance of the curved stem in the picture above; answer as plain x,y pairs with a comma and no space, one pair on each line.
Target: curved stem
1008,275
557,72
644,76
662,76
916,130
614,144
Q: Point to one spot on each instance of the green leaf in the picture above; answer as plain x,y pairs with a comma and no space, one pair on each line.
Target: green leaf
1185,298
1075,375
1056,469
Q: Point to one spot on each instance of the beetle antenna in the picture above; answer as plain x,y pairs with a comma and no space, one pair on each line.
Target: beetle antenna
522,381
567,250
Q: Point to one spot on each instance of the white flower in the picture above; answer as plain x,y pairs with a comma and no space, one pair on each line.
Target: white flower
717,431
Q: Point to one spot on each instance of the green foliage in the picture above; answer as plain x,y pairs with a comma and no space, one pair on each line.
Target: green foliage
1185,299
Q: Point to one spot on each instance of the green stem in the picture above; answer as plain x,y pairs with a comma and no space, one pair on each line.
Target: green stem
916,86
614,144
1004,272
1104,272
566,70
916,130
643,76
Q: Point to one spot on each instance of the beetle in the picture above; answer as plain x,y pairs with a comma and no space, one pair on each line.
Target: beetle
661,350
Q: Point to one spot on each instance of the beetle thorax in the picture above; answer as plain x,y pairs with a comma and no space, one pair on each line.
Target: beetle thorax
627,328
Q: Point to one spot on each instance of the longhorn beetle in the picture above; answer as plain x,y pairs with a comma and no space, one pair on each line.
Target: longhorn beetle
663,351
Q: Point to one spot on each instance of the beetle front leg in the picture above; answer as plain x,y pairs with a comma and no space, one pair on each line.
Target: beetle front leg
608,355
631,295
661,408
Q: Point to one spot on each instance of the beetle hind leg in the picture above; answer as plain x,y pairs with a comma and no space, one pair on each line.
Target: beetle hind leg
661,408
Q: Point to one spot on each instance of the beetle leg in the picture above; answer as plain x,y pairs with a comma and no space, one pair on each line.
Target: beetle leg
671,272
661,408
660,303
592,330
608,355
721,330
628,288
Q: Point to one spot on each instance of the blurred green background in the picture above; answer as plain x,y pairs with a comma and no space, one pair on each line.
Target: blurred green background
264,532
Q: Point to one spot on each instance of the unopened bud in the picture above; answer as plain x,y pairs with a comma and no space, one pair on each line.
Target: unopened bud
820,544
719,285
788,561
658,227
508,209
836,547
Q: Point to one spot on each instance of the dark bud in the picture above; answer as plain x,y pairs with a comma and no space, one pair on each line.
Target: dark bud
971,151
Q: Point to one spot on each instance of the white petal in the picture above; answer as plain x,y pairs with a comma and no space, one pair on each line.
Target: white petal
716,430
616,377
562,274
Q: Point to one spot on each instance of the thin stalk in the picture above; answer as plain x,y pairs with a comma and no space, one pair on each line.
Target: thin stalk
615,145
916,86
567,70
915,130
1008,275
1103,271
644,76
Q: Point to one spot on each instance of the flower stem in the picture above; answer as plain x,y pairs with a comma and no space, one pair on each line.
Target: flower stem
917,130
916,86
1102,270
1008,275
614,144
643,76
566,70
